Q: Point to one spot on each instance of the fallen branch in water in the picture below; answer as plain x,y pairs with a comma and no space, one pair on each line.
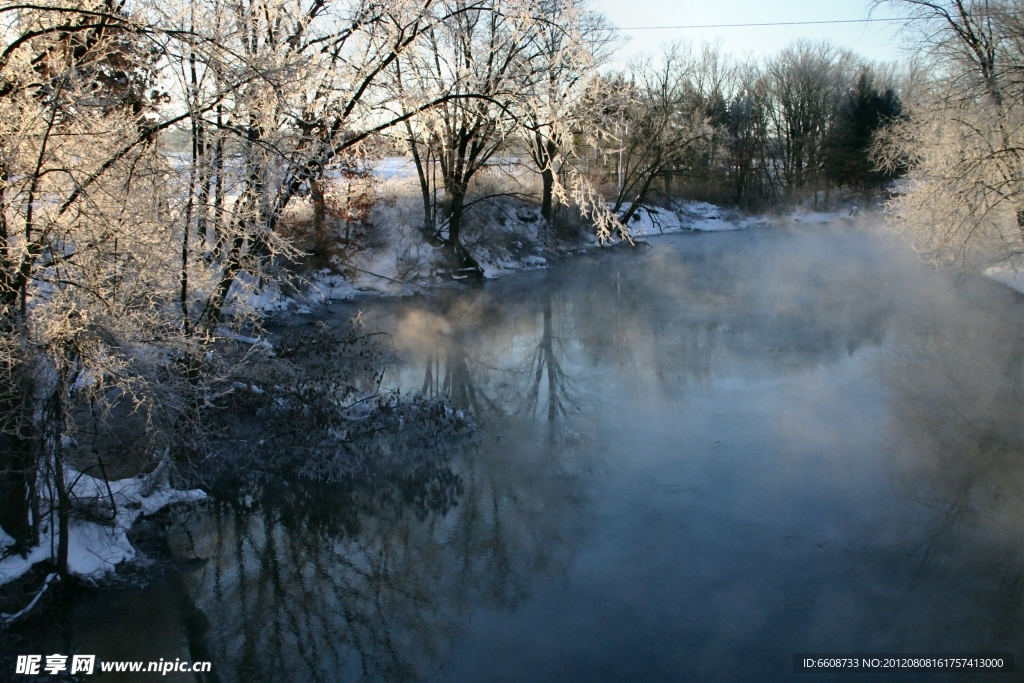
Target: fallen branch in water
11,618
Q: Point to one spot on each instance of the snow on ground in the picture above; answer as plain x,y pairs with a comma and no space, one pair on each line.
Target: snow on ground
801,215
1010,273
94,548
391,168
327,286
496,267
508,238
690,216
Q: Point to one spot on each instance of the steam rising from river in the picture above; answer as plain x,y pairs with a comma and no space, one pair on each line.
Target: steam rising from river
715,452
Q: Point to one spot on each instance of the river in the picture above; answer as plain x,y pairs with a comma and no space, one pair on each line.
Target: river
694,459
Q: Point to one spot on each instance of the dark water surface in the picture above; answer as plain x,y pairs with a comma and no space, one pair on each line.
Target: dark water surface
693,461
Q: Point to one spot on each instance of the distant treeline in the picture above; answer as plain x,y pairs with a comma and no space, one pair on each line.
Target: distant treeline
698,124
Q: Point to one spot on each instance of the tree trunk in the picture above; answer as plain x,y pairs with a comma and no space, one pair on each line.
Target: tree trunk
461,263
53,416
640,197
456,205
16,489
63,504
316,193
421,173
548,151
548,179
218,191
17,457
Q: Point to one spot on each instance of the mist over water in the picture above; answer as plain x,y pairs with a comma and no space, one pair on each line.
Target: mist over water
693,460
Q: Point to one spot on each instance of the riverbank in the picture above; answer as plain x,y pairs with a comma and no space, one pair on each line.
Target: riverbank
98,536
503,234
98,547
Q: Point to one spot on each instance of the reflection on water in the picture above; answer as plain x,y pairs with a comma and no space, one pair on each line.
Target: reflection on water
692,462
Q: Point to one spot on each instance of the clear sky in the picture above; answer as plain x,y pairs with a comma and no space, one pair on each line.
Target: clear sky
880,40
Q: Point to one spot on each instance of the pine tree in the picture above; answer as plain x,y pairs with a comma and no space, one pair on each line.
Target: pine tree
863,113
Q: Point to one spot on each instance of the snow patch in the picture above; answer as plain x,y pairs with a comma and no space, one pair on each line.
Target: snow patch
95,549
805,215
496,266
1010,273
328,286
686,216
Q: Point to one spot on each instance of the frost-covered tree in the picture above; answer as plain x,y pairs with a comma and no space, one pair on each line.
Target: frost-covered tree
499,74
658,125
964,132
572,43
148,152
89,267
478,65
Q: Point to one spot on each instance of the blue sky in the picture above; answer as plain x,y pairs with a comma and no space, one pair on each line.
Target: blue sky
874,40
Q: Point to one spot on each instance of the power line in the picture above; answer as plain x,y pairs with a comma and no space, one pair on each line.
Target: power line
767,23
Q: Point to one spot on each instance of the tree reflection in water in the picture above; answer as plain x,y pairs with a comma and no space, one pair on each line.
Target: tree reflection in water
957,387
784,428
545,362
373,578
459,366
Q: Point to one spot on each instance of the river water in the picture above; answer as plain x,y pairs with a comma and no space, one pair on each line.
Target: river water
693,461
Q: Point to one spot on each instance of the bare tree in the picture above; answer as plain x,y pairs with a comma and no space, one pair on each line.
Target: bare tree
572,43
482,63
963,136
805,84
658,125
748,137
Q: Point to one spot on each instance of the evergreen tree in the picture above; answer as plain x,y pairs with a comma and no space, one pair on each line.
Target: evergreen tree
863,113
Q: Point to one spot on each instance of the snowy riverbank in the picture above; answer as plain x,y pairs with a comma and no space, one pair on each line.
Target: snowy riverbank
506,236
1010,273
96,548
